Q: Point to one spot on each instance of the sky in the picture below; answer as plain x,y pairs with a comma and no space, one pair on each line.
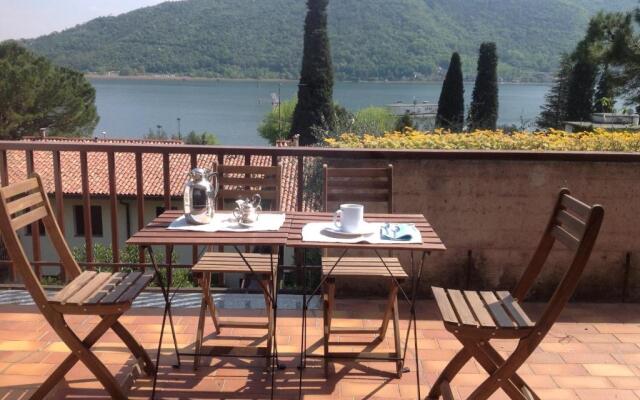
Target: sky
22,19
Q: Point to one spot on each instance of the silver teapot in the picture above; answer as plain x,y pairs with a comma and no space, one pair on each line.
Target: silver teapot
247,210
200,196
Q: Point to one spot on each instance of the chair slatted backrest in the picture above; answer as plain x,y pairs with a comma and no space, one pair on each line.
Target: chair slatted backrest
23,203
575,225
243,181
358,185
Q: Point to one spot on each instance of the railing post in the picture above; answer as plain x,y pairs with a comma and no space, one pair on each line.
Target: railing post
140,199
300,184
4,181
299,254
4,168
113,208
57,182
86,207
194,249
166,184
35,227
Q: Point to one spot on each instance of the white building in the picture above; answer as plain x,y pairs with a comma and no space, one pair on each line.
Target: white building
126,209
423,114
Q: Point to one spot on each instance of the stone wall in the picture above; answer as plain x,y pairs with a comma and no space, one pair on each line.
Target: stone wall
491,214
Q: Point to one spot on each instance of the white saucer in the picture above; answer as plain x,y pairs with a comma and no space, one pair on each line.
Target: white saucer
363,230
248,224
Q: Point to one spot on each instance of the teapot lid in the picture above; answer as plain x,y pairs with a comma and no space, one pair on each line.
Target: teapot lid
199,173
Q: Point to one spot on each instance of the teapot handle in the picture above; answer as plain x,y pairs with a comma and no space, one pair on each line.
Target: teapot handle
256,200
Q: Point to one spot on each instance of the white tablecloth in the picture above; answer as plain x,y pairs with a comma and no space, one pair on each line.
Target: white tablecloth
225,221
316,232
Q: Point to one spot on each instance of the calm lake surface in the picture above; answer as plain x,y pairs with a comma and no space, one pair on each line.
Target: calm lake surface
233,109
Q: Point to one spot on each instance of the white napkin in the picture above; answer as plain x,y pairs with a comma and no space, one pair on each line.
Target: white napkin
316,232
226,222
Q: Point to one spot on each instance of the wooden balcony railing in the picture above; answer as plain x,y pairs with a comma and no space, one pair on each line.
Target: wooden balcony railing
219,153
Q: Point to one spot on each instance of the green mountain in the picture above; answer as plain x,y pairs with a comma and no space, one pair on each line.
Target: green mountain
371,39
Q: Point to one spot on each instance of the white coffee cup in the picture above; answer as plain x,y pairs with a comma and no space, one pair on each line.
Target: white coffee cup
349,218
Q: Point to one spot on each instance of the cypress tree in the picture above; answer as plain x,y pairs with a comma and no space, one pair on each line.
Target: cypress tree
451,103
554,110
483,113
581,87
315,91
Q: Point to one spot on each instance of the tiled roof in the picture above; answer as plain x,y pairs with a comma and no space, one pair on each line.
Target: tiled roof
179,165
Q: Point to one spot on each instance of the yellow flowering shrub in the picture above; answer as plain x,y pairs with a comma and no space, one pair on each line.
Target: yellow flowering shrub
553,140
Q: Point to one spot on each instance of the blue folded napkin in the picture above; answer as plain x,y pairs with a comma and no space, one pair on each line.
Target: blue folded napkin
403,232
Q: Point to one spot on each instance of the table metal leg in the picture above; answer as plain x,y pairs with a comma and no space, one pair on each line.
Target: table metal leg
305,307
412,304
304,322
273,298
167,311
415,322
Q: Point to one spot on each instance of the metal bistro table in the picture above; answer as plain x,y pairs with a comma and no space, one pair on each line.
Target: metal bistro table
156,234
430,243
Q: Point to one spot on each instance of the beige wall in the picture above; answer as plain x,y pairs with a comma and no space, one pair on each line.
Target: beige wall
183,252
497,210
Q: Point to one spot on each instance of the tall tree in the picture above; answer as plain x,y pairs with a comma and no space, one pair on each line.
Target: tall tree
582,85
605,97
483,113
554,111
36,94
315,91
451,103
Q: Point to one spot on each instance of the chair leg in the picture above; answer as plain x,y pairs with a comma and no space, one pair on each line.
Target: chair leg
325,331
206,293
451,370
200,329
71,360
82,352
517,381
331,292
396,336
393,295
500,376
267,283
134,347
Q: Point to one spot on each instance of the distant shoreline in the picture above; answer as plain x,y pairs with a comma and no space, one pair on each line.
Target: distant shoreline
276,80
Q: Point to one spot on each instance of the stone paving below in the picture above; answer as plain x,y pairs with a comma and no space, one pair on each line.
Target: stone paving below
592,353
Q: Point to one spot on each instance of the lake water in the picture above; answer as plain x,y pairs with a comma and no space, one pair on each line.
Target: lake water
233,109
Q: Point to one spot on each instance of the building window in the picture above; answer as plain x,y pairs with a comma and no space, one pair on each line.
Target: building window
41,226
96,220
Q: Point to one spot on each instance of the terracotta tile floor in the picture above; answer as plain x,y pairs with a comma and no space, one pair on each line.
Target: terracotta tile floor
591,353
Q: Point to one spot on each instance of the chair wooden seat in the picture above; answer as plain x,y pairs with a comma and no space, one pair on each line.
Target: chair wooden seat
364,266
488,310
103,294
239,182
217,262
367,186
93,290
475,318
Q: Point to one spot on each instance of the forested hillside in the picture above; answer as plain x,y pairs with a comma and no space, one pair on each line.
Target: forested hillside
371,39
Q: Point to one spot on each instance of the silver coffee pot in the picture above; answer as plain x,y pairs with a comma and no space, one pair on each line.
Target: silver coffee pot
247,211
200,196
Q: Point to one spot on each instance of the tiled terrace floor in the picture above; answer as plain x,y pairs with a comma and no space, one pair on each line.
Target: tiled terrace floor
592,353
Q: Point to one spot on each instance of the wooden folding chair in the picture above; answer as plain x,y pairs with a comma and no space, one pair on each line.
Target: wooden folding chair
477,317
103,294
241,182
366,185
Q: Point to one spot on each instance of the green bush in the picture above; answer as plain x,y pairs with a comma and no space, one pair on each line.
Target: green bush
277,123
